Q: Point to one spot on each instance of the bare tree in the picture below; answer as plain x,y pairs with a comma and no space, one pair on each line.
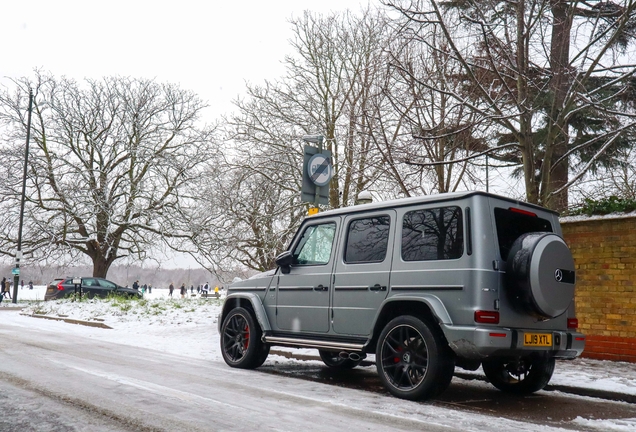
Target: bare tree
243,219
550,78
419,128
328,88
108,162
252,206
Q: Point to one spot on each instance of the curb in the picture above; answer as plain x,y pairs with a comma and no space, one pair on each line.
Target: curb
71,321
579,391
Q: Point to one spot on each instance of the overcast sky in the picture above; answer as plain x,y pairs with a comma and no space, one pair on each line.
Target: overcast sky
210,47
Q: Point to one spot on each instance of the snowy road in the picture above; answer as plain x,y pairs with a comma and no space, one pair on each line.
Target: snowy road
69,379
127,388
62,377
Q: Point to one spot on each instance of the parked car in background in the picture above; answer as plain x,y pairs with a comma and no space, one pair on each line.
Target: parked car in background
90,287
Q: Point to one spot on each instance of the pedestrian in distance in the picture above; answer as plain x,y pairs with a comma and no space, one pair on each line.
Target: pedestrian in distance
22,284
191,289
136,285
184,290
7,288
171,288
149,289
30,284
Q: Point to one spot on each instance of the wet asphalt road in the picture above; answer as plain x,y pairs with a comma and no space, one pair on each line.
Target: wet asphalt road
555,406
55,382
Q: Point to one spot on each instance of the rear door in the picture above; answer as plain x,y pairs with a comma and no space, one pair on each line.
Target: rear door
106,287
91,288
362,271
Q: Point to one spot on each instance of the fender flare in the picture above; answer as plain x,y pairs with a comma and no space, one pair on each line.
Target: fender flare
432,301
257,306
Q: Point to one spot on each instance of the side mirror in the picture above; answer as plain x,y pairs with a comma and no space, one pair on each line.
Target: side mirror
284,261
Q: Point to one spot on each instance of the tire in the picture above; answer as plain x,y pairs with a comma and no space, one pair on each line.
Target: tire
240,339
333,360
540,275
519,376
413,361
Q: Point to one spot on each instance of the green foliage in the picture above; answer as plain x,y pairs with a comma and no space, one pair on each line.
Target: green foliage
40,309
603,206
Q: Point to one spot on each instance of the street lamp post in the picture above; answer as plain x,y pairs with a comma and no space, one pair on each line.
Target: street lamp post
18,255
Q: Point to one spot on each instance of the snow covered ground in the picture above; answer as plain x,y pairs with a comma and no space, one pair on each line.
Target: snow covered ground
187,326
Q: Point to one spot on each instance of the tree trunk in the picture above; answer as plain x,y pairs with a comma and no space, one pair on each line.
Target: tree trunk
555,175
101,265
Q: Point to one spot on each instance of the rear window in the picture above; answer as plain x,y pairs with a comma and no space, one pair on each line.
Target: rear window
511,224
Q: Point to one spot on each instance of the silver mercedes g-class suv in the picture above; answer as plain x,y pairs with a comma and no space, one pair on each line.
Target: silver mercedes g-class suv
425,284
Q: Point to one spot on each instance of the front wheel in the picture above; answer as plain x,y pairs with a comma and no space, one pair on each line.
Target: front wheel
413,361
333,360
241,344
519,376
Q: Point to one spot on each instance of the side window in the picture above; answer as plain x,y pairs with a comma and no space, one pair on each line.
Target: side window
89,282
433,234
367,240
107,284
315,245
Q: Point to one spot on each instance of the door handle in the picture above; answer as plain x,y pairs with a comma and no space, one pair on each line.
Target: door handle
377,287
321,288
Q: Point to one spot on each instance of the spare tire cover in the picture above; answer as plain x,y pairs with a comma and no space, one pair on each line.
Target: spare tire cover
540,274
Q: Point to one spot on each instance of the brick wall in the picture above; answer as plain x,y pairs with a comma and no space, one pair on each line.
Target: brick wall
604,251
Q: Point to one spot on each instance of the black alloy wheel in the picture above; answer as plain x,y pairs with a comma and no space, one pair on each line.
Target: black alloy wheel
413,362
241,344
519,376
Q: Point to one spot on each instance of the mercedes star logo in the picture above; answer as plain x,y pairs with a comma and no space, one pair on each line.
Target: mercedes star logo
558,275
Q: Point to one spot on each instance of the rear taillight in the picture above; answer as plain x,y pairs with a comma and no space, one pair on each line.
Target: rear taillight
60,287
573,323
487,317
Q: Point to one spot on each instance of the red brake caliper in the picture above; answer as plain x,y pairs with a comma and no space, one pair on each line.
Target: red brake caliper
397,359
246,340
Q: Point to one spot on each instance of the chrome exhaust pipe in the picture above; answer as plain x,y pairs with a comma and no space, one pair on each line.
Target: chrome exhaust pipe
354,356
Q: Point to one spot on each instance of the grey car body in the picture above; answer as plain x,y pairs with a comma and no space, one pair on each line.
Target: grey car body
489,278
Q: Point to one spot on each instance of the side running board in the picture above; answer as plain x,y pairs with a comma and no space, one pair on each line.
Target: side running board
308,343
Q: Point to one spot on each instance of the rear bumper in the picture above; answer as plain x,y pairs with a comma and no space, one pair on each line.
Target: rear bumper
53,294
477,343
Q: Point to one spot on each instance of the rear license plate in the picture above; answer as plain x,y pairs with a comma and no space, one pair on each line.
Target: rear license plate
537,339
